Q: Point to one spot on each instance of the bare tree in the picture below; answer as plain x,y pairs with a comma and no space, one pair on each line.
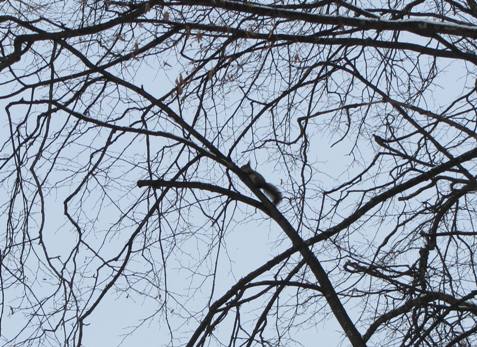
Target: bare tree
124,128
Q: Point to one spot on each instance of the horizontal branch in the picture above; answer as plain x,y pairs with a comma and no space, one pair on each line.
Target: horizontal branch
420,27
156,184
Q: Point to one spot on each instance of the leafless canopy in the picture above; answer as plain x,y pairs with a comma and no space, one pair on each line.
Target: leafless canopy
123,128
